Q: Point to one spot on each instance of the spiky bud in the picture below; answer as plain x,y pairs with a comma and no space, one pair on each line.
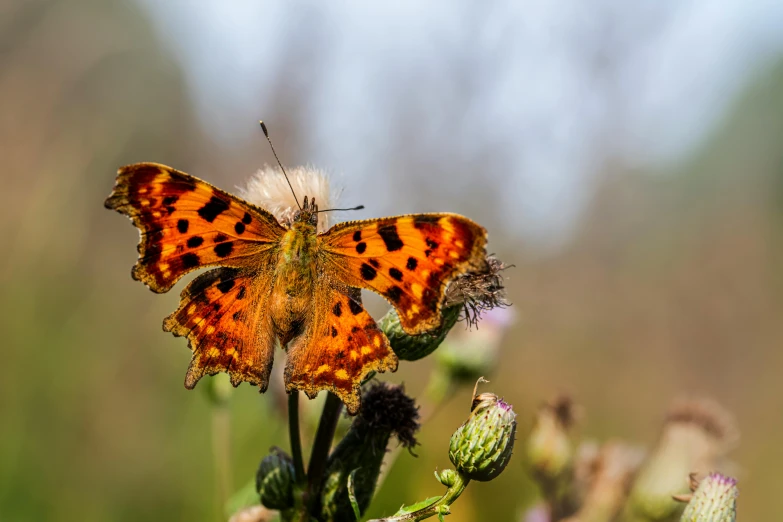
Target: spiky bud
695,438
550,448
715,500
469,295
275,480
481,448
415,347
447,477
386,411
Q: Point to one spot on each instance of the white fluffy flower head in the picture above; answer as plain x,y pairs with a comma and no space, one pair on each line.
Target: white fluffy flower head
269,190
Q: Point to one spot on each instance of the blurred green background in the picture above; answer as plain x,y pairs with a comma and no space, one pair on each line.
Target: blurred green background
628,159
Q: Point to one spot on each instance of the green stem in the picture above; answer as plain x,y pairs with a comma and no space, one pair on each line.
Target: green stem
439,507
295,436
321,446
221,451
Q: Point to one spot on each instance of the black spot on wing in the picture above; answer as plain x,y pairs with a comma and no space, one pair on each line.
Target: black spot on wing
357,236
246,219
395,274
214,207
361,247
190,260
239,228
394,293
412,263
390,238
338,309
368,273
195,241
182,225
224,249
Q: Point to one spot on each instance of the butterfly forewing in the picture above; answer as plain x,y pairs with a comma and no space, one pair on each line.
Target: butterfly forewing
407,259
186,223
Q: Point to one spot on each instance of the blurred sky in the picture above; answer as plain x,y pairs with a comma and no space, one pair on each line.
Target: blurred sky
551,85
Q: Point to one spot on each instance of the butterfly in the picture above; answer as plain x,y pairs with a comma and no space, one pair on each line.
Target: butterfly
288,284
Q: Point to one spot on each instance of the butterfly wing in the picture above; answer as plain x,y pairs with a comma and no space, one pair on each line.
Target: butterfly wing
186,224
340,346
407,259
221,312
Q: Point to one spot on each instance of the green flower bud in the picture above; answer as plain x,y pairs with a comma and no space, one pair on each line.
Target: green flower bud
550,448
414,347
715,500
481,448
695,438
469,295
275,480
447,477
386,411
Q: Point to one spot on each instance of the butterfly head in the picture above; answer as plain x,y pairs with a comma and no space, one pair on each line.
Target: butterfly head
308,213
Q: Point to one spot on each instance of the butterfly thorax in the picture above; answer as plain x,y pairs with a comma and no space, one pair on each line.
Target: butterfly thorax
294,279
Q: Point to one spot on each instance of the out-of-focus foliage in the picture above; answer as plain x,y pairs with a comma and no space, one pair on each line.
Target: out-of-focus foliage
672,283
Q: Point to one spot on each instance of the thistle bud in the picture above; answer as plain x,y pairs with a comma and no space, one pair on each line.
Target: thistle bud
715,500
415,347
386,411
468,296
695,438
447,477
275,480
550,448
481,448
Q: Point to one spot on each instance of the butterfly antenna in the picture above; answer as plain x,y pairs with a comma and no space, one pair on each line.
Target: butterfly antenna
266,133
341,209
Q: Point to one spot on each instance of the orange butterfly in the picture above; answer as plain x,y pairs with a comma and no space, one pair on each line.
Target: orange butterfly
291,285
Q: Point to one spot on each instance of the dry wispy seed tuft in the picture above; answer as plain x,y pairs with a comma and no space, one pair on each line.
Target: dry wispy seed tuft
269,190
479,291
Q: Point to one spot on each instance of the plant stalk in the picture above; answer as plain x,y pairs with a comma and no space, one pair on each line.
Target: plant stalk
321,446
221,451
295,436
439,507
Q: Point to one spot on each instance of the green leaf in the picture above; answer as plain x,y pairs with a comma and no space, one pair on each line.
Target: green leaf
404,510
352,496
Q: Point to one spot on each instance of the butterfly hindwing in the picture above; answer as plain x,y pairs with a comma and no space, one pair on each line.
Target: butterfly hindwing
186,223
407,259
221,314
341,345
